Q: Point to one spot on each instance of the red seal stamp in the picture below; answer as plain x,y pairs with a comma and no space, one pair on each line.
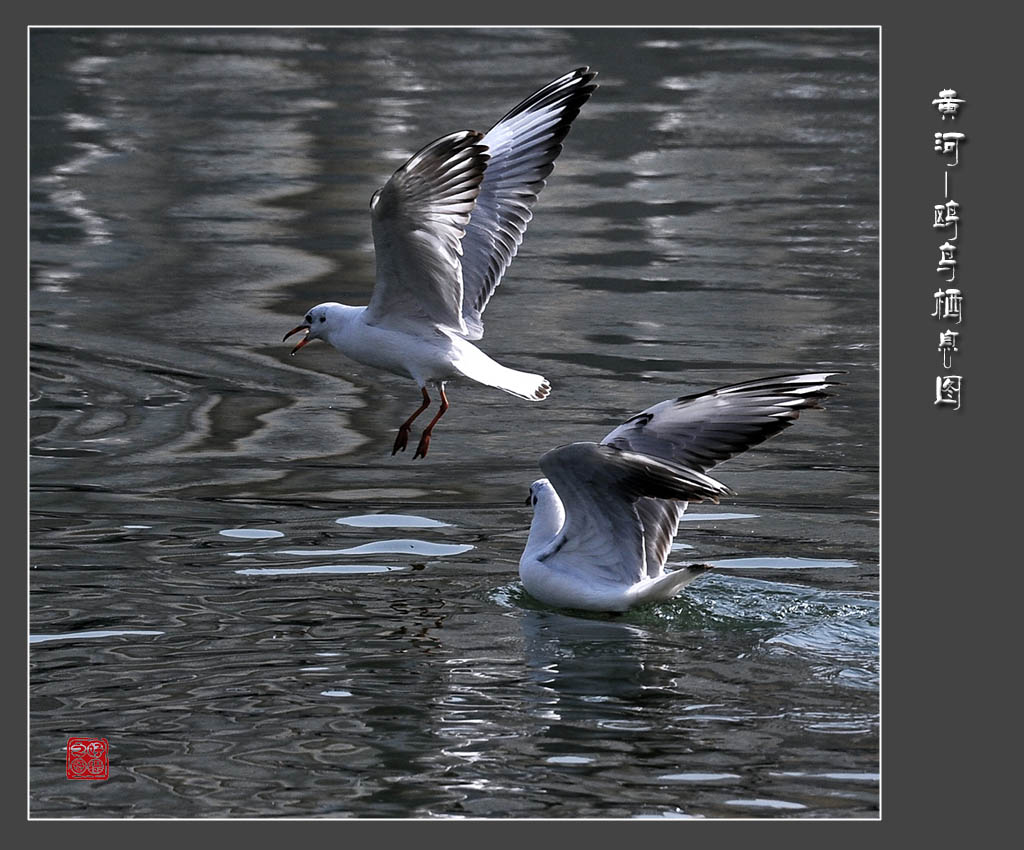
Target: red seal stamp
88,758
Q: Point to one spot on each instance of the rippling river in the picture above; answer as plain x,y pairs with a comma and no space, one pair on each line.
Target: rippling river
263,611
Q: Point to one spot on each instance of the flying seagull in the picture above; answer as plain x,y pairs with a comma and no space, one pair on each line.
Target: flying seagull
605,515
446,226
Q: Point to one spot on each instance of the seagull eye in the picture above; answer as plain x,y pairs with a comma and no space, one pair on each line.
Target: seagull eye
309,319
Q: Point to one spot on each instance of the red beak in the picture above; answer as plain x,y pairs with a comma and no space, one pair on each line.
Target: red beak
303,341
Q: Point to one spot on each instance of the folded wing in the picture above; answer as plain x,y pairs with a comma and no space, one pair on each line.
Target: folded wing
599,487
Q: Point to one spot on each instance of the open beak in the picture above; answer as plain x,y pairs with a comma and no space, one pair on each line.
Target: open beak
302,341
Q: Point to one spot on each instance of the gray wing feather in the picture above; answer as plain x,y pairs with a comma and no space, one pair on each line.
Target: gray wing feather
523,147
701,430
419,218
599,487
660,519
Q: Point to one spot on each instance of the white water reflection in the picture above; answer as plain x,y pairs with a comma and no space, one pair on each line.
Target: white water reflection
330,569
762,803
839,776
782,563
690,516
699,777
569,760
390,521
252,533
401,547
90,635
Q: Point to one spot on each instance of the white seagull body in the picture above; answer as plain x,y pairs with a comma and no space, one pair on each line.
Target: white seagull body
605,516
446,226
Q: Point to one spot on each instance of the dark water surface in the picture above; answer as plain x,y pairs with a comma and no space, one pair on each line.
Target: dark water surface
264,612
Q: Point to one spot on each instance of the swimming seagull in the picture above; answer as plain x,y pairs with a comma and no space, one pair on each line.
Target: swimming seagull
446,226
605,516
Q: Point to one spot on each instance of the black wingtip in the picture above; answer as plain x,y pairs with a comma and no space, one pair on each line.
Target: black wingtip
584,74
574,89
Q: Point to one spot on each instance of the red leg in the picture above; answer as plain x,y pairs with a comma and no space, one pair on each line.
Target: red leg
421,450
403,432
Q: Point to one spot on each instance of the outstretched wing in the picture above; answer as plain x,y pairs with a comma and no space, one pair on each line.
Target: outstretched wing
698,431
599,487
419,218
523,147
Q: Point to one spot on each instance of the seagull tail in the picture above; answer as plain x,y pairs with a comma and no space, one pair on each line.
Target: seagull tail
668,585
482,369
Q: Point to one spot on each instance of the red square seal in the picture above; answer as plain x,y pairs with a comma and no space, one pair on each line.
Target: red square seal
88,758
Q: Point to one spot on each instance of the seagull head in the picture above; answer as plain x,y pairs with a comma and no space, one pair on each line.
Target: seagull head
548,513
544,499
540,489
319,322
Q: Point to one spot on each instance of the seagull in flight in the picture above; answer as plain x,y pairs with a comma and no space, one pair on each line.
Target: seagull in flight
605,515
446,226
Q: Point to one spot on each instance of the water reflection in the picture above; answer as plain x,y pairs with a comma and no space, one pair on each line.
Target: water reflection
415,547
328,569
252,533
782,563
390,521
89,635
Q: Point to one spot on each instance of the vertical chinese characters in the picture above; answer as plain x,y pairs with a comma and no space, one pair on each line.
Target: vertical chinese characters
948,144
948,301
949,304
948,103
947,214
947,390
